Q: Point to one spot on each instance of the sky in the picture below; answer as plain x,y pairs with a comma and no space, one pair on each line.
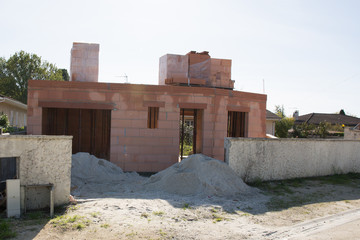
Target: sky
303,54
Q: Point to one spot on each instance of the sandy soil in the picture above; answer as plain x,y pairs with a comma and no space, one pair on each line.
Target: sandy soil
311,210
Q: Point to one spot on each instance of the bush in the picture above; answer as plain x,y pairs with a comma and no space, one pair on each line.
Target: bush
4,121
282,127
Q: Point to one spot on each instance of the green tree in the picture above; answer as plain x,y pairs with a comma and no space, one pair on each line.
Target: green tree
279,110
282,127
303,130
4,121
21,67
65,74
322,129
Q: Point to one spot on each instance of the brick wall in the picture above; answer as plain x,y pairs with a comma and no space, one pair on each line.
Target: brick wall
134,147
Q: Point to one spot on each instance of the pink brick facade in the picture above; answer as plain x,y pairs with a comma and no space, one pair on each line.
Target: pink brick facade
133,146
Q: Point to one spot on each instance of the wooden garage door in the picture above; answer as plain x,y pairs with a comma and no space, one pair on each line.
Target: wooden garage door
90,128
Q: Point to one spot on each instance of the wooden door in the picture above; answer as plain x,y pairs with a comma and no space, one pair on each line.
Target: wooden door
90,128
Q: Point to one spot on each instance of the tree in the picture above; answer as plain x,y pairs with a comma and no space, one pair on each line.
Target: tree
279,110
322,129
303,130
19,68
4,121
65,74
282,127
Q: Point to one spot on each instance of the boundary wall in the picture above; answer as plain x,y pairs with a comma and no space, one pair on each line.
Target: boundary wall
40,160
275,159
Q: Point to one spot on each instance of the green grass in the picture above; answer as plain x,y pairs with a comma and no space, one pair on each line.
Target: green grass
274,187
95,214
105,225
339,179
284,193
5,230
216,218
283,187
186,206
279,203
158,213
36,215
66,222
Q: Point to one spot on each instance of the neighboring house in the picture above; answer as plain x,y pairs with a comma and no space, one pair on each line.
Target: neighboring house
137,126
271,119
352,133
15,110
332,118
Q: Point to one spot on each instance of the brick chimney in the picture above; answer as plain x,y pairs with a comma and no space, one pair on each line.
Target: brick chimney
84,65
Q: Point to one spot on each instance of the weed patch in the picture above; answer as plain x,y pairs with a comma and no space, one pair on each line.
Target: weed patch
159,213
186,206
279,203
66,222
5,230
105,225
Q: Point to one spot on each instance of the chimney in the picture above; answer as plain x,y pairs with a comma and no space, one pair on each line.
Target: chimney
84,64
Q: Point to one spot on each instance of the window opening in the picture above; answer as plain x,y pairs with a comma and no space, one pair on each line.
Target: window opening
236,124
153,116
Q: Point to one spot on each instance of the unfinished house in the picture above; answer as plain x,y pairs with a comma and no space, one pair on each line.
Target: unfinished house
145,128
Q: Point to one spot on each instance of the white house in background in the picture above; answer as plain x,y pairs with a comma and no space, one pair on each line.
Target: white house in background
15,110
271,118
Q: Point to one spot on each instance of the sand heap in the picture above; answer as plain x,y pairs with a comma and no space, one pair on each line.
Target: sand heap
90,174
199,175
88,168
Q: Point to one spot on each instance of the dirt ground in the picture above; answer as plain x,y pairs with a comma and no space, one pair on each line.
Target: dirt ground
316,208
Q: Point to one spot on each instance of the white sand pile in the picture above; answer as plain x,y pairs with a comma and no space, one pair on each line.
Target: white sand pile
90,174
199,175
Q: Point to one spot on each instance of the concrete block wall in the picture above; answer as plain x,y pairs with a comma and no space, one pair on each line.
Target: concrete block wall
351,134
41,160
84,65
134,147
276,159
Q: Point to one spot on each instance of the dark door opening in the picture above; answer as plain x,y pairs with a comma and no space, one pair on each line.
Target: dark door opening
237,126
90,128
190,132
8,170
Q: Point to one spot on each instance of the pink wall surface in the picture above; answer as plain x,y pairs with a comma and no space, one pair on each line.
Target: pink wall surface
134,147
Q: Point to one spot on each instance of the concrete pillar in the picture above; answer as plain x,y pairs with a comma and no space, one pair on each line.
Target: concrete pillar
84,65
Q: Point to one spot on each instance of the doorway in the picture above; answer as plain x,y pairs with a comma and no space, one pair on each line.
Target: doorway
8,170
190,132
90,128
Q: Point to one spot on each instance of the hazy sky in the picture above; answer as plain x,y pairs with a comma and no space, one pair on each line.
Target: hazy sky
306,51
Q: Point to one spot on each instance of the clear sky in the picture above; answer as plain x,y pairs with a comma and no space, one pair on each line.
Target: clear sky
306,51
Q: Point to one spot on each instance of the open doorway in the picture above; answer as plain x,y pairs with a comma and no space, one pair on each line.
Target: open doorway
8,170
190,132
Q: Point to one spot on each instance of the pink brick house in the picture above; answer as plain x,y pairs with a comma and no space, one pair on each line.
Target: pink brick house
138,126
